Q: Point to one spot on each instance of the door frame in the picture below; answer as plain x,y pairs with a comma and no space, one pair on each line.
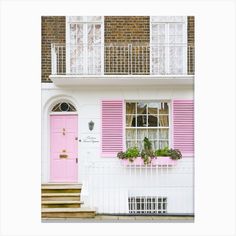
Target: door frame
50,158
47,107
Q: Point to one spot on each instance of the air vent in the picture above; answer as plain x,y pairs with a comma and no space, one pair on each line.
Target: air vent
147,205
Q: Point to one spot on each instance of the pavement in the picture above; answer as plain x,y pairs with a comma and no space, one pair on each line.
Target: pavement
124,219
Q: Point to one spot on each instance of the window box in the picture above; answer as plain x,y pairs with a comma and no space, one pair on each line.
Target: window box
158,161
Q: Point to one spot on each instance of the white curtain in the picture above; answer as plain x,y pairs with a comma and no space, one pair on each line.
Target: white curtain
169,46
85,45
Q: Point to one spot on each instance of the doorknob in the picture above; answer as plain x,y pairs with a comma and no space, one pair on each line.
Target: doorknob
76,160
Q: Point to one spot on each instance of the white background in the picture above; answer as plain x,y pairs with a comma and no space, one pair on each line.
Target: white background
21,116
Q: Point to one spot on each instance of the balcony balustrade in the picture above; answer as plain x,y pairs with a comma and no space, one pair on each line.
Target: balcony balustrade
129,59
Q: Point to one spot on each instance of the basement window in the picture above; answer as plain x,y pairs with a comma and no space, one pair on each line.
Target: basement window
147,205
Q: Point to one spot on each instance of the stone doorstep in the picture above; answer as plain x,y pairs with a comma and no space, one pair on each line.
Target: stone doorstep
61,186
60,194
62,202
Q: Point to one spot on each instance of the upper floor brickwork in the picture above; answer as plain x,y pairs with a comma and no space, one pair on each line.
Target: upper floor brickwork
118,30
53,29
126,29
191,40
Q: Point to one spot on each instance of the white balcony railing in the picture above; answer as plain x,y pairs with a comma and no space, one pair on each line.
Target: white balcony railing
159,59
113,188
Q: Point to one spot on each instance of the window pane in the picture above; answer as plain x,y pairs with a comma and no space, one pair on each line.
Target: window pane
141,134
90,29
130,108
163,144
164,134
163,121
152,108
131,134
75,18
140,145
94,18
141,108
152,134
130,144
155,145
164,108
152,121
130,121
142,121
97,34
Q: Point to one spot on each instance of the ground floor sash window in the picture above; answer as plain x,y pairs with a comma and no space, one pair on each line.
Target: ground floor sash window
147,119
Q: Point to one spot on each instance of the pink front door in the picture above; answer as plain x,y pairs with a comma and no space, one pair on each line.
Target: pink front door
64,148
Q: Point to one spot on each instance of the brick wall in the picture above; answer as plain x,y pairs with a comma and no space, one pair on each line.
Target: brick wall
53,31
191,42
121,31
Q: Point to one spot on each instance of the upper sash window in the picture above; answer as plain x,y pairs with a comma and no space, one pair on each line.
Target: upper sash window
85,35
169,44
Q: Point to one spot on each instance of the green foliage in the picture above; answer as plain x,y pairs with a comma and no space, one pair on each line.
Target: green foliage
147,154
174,154
147,144
130,154
162,152
121,155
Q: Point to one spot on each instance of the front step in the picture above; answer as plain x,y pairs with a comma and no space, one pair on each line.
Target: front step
62,200
61,204
60,196
68,213
61,188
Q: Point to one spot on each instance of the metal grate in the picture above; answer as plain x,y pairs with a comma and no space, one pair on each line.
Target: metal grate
147,204
148,59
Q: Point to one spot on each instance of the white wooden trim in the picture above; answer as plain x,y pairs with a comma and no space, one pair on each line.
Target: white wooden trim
102,43
67,43
63,113
150,39
185,42
185,35
169,140
85,42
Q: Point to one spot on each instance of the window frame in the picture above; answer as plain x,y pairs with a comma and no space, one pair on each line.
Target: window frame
185,39
85,38
157,127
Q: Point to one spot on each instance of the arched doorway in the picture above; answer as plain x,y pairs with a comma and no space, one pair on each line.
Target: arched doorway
63,143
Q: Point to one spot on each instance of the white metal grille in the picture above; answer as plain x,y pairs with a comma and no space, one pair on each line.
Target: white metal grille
155,59
147,205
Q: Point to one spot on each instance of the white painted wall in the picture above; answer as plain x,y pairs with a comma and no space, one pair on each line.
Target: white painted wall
87,100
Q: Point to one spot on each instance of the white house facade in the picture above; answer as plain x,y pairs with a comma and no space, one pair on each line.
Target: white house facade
105,94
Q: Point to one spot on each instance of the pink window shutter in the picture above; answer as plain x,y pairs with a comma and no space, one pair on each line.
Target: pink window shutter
112,127
183,126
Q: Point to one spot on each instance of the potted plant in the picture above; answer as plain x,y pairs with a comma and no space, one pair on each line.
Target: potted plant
165,156
131,155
